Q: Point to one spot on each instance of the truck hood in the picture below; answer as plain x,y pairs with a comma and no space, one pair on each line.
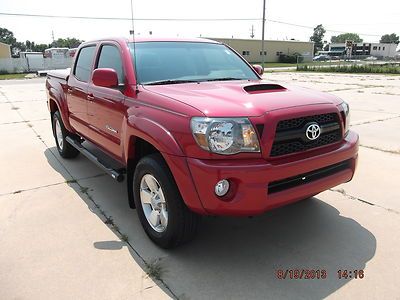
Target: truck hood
241,98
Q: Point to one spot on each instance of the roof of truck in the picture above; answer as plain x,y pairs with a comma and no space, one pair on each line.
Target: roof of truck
155,39
152,39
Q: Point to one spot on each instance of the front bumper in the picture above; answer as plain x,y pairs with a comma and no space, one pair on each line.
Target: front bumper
250,179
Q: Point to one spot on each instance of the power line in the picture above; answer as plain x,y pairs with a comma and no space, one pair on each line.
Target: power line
363,24
176,19
310,27
129,19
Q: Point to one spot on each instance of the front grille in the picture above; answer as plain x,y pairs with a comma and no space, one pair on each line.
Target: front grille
291,182
298,122
290,134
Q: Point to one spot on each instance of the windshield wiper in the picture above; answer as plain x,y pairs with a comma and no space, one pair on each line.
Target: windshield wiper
225,79
170,81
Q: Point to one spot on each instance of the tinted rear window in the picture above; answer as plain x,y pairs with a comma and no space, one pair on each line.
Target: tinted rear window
84,62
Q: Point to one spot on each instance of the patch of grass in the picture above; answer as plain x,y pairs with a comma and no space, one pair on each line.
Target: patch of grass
365,69
109,221
84,189
270,70
154,269
278,65
71,180
324,63
124,238
12,76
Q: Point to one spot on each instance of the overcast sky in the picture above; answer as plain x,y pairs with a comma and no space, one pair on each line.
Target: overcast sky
369,20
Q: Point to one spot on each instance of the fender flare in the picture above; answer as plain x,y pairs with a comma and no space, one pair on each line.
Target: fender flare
153,133
61,103
162,139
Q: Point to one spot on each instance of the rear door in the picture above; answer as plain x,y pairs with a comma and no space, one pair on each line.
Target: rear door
106,107
78,84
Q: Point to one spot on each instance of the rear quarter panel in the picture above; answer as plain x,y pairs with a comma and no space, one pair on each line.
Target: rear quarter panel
56,88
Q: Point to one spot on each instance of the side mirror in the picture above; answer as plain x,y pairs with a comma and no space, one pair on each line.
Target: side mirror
105,77
259,69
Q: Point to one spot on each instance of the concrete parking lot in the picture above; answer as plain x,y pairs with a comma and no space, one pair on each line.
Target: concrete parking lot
66,230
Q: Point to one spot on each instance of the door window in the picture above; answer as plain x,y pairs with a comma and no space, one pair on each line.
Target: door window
84,63
111,58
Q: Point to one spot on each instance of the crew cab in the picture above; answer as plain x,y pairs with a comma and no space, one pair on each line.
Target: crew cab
193,129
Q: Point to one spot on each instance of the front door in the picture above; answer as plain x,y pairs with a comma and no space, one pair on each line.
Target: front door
106,105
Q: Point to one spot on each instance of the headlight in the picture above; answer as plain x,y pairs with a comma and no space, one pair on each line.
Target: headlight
225,135
346,111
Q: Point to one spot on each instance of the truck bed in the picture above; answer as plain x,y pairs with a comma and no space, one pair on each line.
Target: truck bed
60,74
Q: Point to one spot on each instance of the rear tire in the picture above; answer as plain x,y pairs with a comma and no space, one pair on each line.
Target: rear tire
65,149
163,214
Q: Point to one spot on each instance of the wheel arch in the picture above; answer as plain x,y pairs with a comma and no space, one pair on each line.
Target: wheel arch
151,132
149,137
57,102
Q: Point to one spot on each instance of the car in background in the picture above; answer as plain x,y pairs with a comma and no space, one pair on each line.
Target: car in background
371,58
72,52
321,57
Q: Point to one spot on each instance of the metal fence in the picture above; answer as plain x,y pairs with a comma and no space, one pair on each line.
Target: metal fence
355,62
33,64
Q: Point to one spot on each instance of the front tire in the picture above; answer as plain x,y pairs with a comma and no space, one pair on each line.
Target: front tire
161,210
65,149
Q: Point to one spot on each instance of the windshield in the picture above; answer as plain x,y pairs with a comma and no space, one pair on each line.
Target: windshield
176,62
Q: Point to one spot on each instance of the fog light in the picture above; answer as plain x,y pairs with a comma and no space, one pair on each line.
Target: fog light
222,187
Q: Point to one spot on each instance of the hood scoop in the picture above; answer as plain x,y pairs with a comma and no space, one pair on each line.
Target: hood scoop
263,88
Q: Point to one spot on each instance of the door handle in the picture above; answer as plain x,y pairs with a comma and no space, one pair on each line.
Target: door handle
90,97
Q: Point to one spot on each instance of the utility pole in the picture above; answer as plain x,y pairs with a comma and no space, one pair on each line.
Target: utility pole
263,35
132,31
252,31
52,36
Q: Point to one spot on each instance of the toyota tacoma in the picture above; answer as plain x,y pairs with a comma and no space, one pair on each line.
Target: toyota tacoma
193,129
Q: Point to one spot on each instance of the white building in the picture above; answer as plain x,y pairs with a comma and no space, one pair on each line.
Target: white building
374,49
385,50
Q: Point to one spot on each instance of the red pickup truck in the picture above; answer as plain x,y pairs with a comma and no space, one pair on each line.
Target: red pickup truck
195,131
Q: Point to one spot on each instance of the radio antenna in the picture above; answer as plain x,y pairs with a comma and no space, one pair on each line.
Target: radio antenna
134,47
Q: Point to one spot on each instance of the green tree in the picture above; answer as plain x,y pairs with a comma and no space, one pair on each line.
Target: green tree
390,38
16,48
318,37
29,45
342,38
40,47
7,37
67,43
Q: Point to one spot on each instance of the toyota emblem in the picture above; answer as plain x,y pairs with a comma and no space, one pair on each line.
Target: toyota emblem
313,131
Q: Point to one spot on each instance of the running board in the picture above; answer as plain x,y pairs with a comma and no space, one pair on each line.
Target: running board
118,175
